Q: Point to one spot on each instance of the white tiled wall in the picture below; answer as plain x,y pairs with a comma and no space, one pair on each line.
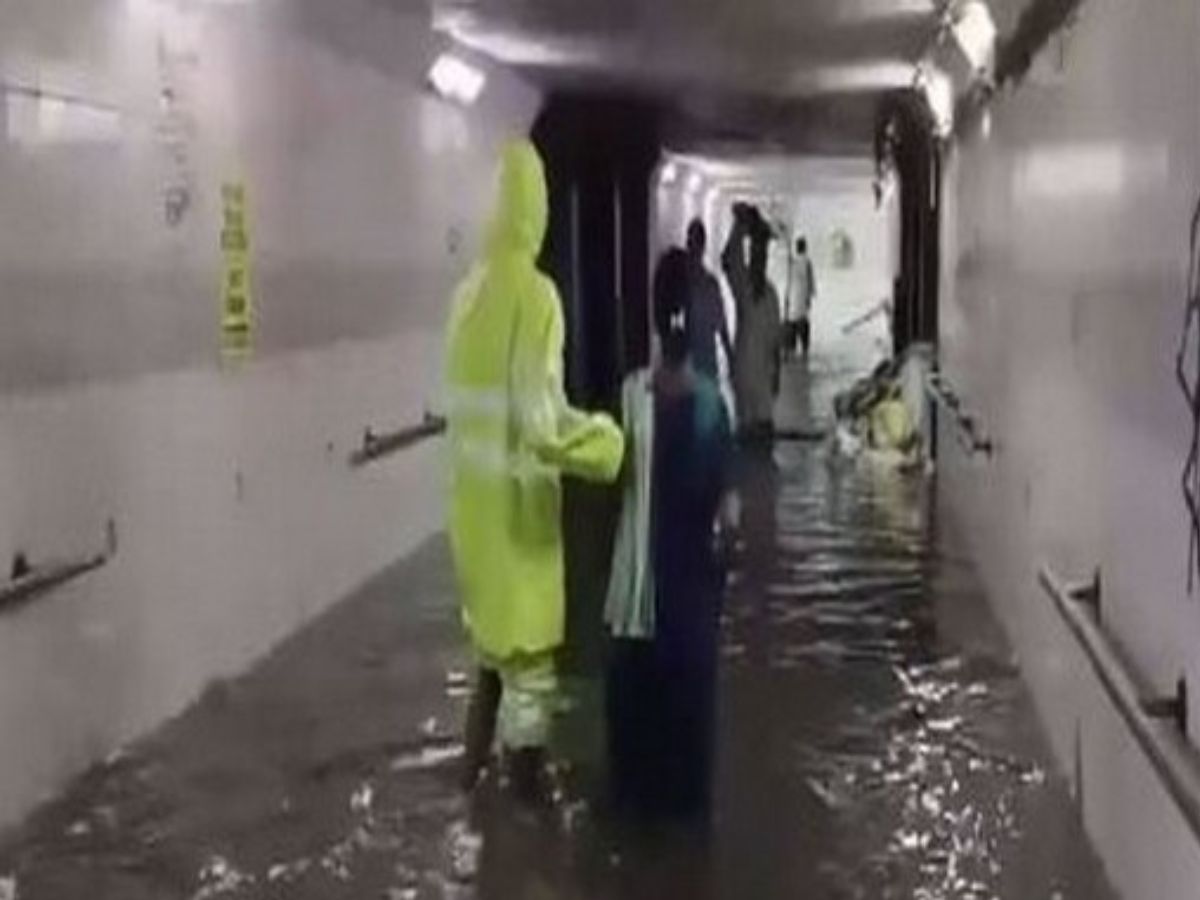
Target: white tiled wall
1067,257
238,516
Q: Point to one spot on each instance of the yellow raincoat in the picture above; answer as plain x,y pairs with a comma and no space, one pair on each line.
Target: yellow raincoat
891,426
512,432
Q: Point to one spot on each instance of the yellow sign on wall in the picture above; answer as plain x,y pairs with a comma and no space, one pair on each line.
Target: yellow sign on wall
237,309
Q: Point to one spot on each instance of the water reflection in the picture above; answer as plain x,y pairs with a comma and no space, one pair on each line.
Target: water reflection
911,764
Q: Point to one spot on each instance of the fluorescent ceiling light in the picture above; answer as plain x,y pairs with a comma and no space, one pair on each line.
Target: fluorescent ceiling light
778,167
142,7
456,79
873,76
870,10
974,31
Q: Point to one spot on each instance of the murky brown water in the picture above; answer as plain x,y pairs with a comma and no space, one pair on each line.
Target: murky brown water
874,742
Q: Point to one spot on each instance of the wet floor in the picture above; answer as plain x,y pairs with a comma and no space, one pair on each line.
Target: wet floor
875,741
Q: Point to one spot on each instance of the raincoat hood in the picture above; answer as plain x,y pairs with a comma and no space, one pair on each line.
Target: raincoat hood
519,221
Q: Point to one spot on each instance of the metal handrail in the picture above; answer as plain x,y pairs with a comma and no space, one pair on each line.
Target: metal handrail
883,307
1158,723
376,446
970,436
39,580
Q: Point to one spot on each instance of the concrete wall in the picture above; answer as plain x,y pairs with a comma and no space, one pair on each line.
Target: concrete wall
1067,255
238,516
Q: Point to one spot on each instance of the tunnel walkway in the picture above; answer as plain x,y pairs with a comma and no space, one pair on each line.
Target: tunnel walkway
875,741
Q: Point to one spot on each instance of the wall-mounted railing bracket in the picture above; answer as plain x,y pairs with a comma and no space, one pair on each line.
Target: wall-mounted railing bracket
1088,593
1172,709
31,581
970,434
375,446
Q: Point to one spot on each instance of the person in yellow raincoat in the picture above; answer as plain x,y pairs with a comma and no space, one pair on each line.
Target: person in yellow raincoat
512,435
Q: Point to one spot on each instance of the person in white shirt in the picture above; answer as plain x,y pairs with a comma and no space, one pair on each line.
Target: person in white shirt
800,300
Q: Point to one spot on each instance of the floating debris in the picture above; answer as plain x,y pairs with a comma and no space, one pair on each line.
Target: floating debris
464,848
81,828
218,878
286,873
1035,776
945,726
427,757
361,800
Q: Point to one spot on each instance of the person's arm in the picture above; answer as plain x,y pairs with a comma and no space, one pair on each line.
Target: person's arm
722,320
733,261
812,281
586,445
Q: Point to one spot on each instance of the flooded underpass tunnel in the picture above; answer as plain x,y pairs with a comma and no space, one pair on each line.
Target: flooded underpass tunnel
596,449
874,740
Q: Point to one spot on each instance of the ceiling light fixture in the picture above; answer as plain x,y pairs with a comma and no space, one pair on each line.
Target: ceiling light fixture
669,174
854,77
875,10
457,80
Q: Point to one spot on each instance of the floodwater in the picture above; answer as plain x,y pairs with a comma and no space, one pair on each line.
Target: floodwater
874,741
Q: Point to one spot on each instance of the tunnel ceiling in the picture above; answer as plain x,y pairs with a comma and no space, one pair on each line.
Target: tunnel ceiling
800,75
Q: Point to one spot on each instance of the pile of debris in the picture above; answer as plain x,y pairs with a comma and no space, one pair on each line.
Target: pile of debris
883,418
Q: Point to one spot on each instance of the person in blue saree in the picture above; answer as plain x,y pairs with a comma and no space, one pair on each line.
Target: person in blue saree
664,600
